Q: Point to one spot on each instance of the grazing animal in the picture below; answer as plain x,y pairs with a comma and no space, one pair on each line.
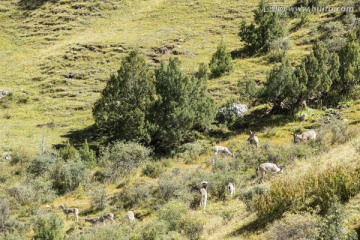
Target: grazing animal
222,150
93,221
203,197
131,216
254,140
108,216
305,136
231,189
68,211
267,167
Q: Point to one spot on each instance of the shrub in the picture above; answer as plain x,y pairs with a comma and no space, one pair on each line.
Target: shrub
228,214
99,198
41,165
356,145
332,224
192,226
295,226
87,155
249,194
69,152
15,229
189,152
314,190
248,89
153,169
21,155
218,182
171,214
67,176
170,186
154,230
221,61
33,191
109,233
137,195
23,194
278,49
48,227
4,211
121,158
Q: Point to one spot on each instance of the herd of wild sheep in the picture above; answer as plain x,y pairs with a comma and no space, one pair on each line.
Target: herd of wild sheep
94,221
262,169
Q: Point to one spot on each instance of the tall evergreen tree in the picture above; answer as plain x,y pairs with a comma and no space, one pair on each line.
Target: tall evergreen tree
282,87
266,29
349,65
321,68
181,106
121,112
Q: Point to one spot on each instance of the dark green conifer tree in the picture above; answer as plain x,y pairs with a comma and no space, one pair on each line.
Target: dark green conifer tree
121,112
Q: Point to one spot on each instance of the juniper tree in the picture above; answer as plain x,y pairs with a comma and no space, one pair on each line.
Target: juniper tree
221,61
121,112
281,87
266,29
349,65
182,104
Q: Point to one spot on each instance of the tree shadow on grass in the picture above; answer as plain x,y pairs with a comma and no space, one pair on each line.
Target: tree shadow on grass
77,137
250,227
32,4
260,119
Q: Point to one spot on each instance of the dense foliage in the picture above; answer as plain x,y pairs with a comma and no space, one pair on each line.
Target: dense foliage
163,112
220,62
266,28
122,109
182,105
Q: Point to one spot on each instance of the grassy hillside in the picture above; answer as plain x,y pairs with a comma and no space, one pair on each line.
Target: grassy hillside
56,57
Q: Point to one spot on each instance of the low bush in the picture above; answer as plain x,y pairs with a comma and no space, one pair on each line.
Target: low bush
87,155
192,225
48,227
170,186
121,158
332,225
41,165
314,190
228,214
171,213
21,154
22,194
33,191
67,176
4,212
69,152
295,226
99,198
138,195
109,233
189,152
249,194
153,169
154,230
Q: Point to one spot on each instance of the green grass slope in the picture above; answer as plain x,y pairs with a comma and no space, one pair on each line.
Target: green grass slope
55,57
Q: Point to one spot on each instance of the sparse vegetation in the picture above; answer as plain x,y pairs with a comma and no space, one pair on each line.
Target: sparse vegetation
106,112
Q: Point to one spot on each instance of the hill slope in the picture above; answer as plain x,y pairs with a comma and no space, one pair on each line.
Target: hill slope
56,57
